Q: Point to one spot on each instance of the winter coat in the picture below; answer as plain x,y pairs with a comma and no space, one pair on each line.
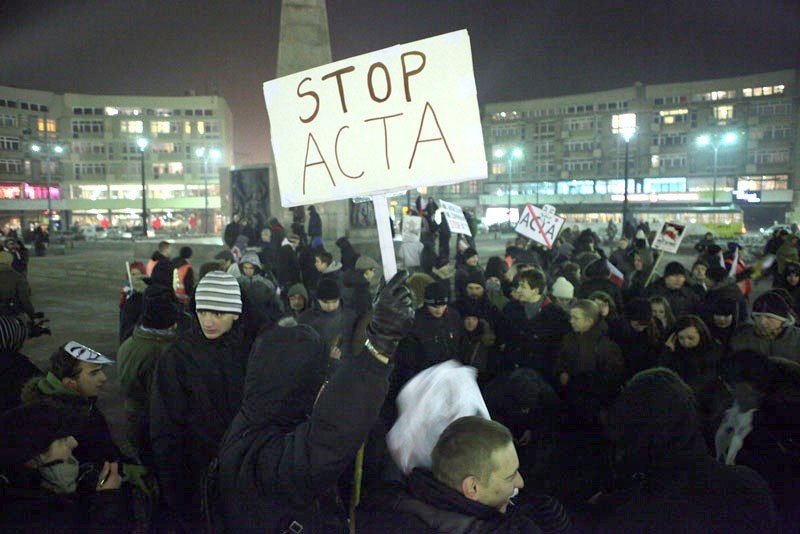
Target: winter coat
314,222
136,362
640,350
594,364
232,231
15,370
534,343
682,301
475,349
287,268
727,289
196,392
348,253
260,292
15,293
605,285
26,506
95,444
431,341
278,464
426,505
355,293
330,325
785,345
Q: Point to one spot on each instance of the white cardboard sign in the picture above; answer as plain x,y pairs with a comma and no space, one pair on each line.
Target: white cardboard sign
412,228
455,218
390,120
669,237
540,224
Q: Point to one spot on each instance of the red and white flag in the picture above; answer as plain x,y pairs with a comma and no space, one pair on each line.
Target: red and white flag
616,275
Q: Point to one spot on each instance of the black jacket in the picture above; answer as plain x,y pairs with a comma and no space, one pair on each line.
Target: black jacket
287,267
682,301
196,392
330,325
355,292
279,465
431,341
426,505
15,370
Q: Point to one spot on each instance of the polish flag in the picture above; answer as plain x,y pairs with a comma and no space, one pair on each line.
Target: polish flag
616,275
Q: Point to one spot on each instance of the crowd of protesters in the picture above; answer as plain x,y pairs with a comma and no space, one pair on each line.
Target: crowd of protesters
259,390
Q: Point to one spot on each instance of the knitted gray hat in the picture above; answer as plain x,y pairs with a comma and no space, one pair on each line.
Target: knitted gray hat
218,291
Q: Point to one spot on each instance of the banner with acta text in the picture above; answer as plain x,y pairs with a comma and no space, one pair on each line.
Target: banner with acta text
390,120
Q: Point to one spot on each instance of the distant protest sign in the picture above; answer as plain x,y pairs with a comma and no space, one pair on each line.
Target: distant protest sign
412,228
540,224
390,120
669,237
455,218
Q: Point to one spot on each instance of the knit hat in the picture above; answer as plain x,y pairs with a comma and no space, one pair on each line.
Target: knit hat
137,265
224,255
435,294
468,253
562,289
717,273
495,266
251,258
327,289
218,291
12,334
772,305
185,253
365,262
28,430
470,308
605,297
723,306
639,310
298,289
475,276
159,308
5,257
674,268
441,261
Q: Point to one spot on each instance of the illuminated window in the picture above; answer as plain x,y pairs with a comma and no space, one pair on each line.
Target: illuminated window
159,127
763,91
48,125
134,127
187,127
722,113
655,161
763,183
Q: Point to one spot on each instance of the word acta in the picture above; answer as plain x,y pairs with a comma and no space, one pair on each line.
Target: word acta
536,226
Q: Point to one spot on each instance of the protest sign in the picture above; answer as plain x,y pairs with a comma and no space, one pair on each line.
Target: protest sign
669,237
412,228
540,224
455,218
391,120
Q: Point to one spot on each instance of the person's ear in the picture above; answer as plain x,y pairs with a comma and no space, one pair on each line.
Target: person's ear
70,383
469,487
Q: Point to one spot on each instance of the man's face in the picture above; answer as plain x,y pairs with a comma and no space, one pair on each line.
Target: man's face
248,269
526,292
329,306
622,244
320,265
722,321
579,321
638,264
368,274
437,311
699,272
470,323
297,302
214,323
475,291
768,326
503,481
472,261
675,281
89,381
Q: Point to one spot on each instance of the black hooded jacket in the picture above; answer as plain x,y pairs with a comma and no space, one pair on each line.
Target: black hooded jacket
284,453
196,392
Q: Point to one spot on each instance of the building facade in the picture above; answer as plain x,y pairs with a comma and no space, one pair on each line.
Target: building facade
81,155
723,153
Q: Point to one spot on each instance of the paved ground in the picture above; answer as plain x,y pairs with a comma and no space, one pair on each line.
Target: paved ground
79,291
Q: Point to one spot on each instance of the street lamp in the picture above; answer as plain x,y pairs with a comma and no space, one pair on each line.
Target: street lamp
625,125
715,141
514,153
142,143
214,155
57,149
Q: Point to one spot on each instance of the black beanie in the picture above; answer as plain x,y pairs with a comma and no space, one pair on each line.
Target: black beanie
28,431
470,308
159,308
468,253
441,262
476,277
717,273
435,294
185,253
723,306
327,289
597,269
162,273
639,310
674,268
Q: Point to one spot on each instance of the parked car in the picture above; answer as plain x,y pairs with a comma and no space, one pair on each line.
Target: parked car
93,233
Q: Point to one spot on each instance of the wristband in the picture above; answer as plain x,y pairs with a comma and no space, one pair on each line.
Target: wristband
371,348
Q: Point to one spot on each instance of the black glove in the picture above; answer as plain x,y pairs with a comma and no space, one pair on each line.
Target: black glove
392,315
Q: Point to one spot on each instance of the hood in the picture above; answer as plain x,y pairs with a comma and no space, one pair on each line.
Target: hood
45,386
286,369
353,279
653,424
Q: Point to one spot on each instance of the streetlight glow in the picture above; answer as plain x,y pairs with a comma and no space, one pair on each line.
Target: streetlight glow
215,154
703,140
58,149
36,148
142,143
499,153
730,138
200,151
517,152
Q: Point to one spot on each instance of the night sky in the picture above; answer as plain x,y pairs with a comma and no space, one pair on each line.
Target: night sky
520,49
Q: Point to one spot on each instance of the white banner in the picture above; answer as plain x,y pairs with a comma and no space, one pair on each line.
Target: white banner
540,224
390,120
412,228
455,218
669,237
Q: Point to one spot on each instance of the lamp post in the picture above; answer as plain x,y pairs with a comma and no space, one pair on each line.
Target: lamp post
514,153
625,125
214,155
57,149
142,143
715,141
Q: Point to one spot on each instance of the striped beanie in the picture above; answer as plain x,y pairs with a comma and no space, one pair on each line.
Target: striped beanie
218,291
